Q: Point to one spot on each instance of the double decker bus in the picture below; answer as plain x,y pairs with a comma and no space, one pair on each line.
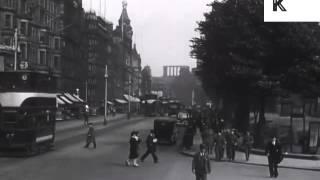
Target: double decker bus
27,111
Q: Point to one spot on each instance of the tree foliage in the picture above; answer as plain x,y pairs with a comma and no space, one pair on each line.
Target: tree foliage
238,49
239,54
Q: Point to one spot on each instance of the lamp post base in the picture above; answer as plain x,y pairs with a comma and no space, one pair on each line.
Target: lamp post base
105,121
128,115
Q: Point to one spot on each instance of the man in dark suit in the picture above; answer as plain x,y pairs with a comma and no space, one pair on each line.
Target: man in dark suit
201,164
219,146
91,137
151,147
247,143
274,153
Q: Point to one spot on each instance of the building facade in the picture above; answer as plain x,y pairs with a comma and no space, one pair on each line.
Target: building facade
178,82
131,59
99,46
73,60
38,36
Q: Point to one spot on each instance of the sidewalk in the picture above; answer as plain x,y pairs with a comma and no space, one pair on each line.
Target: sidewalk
77,123
259,160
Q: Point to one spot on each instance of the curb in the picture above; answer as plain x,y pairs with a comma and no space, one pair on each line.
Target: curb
289,155
96,122
190,154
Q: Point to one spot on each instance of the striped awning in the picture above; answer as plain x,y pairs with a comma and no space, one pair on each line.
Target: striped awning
120,101
77,97
59,101
109,102
131,98
151,101
71,98
64,99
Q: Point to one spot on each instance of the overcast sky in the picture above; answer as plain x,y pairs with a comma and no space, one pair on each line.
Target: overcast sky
162,28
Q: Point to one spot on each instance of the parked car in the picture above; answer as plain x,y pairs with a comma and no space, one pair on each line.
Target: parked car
166,130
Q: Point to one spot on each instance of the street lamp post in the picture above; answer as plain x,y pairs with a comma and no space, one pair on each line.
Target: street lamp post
105,96
129,96
77,90
15,48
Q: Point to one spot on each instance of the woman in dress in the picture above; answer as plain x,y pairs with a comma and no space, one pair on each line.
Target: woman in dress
134,149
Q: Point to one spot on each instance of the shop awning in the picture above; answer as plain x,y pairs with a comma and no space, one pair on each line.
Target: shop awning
109,102
151,101
131,98
77,97
59,101
70,97
120,101
64,99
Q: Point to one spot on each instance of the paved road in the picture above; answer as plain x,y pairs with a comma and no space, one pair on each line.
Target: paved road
70,161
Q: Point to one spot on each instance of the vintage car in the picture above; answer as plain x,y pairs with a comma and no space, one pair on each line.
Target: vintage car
166,130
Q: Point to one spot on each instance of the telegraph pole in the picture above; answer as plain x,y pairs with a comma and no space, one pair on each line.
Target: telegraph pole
106,97
15,48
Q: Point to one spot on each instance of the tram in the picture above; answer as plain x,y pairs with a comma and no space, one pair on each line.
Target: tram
27,111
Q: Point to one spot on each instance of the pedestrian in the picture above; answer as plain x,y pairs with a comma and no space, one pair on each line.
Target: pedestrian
274,153
201,164
91,137
247,144
151,147
134,149
86,114
231,144
219,146
210,140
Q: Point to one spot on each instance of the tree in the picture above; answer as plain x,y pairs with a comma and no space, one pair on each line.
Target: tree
242,56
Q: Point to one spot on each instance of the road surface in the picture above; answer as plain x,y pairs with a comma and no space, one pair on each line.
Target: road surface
70,161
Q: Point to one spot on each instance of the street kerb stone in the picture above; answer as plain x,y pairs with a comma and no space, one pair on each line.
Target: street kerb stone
265,163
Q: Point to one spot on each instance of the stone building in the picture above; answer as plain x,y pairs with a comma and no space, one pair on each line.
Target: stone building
74,61
39,35
131,72
99,52
178,82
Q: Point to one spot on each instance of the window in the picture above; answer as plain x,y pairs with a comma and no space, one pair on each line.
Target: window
56,43
23,51
23,28
8,20
23,6
8,3
56,62
43,37
42,57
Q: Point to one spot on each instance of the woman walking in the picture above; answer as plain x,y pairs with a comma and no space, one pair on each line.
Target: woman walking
134,149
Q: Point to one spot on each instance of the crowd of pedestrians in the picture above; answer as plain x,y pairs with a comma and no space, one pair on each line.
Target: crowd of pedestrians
218,140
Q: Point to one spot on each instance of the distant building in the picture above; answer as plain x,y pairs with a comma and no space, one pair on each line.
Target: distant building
179,83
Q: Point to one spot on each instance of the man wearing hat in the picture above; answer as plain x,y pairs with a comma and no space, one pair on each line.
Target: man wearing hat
151,147
91,137
274,153
201,164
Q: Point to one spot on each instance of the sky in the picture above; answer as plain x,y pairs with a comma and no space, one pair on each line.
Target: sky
162,29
